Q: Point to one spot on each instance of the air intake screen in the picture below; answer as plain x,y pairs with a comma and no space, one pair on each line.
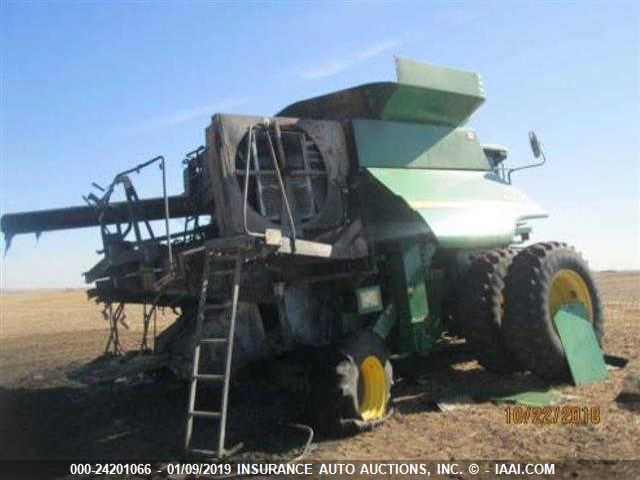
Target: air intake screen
302,168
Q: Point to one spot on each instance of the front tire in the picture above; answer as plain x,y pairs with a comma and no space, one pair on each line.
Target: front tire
482,308
542,278
351,390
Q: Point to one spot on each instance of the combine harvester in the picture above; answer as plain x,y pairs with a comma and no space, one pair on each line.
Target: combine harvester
365,222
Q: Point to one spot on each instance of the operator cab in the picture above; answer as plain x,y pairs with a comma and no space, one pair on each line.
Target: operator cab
496,154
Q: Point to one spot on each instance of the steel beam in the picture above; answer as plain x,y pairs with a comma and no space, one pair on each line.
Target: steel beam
87,216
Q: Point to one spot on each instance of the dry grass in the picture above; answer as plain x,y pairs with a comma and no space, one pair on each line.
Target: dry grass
42,332
41,312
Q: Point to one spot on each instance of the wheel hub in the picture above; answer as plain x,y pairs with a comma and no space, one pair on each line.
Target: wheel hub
372,387
567,286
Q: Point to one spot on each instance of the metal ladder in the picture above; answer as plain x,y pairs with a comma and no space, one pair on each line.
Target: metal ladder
211,256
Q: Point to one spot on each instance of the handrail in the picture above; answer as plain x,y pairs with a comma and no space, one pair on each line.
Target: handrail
245,193
166,210
102,202
276,167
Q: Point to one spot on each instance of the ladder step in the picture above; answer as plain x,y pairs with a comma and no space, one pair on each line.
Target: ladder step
204,414
213,340
208,376
202,451
210,453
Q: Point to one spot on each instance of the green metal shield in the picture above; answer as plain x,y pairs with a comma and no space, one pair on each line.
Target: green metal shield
584,355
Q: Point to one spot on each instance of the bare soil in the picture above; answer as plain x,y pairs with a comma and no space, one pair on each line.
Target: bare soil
47,336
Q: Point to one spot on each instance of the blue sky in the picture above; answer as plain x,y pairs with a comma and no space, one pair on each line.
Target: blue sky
91,88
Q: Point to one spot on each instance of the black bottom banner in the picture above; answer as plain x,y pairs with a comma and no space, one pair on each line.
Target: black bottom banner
343,470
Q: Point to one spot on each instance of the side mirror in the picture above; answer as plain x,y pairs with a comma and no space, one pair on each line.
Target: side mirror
536,148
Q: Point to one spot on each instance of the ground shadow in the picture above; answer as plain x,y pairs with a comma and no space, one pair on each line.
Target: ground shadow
450,373
143,420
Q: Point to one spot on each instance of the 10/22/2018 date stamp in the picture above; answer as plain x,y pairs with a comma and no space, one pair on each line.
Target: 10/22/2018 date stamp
552,415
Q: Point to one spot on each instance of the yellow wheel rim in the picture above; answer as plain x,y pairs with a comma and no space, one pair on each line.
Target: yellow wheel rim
372,388
567,286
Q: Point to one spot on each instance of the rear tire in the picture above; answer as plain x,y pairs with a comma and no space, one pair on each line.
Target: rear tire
351,387
541,279
482,308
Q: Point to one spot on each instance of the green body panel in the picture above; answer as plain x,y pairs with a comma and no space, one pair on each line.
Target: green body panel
423,94
464,209
584,355
411,320
409,296
430,94
413,311
410,145
443,79
386,321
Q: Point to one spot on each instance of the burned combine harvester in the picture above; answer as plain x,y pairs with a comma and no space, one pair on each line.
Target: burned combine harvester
366,221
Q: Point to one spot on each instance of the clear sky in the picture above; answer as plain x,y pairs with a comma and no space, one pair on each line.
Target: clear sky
91,88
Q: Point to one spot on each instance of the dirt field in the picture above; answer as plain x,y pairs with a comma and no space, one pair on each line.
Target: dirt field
47,335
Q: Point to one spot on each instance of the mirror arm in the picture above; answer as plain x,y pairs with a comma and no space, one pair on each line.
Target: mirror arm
533,165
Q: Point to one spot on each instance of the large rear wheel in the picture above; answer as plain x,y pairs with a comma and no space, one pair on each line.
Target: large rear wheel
543,278
482,307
